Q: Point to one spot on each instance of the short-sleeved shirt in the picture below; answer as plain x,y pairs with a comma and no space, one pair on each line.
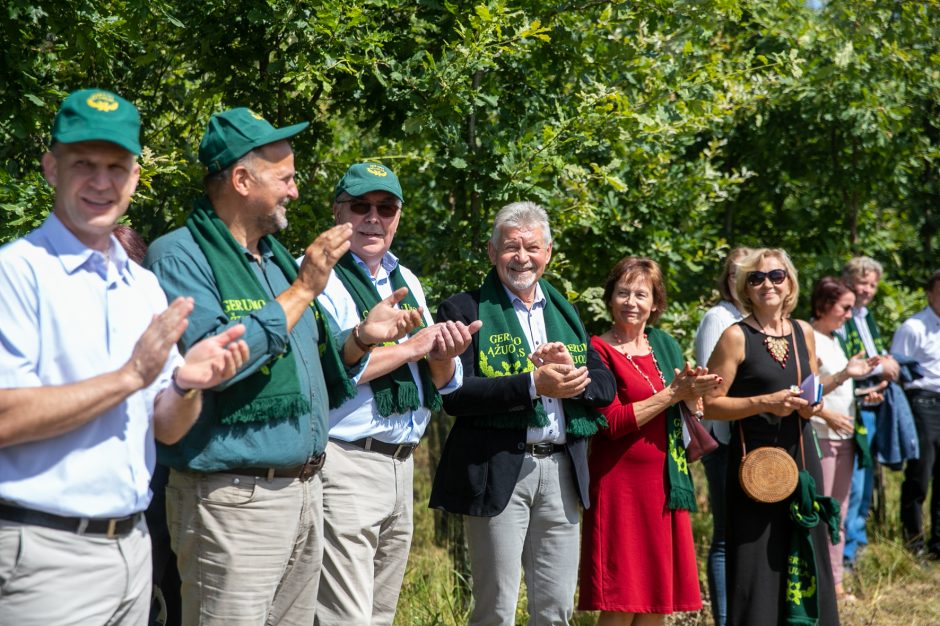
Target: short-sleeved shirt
211,446
358,418
70,313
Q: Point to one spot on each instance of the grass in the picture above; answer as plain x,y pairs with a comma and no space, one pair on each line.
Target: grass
892,587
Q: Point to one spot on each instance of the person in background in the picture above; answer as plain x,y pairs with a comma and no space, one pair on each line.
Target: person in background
719,317
861,334
637,550
831,303
918,338
89,376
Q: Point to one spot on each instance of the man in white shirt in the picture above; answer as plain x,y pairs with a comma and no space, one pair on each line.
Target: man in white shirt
919,339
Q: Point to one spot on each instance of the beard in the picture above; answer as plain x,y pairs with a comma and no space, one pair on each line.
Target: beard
274,222
521,282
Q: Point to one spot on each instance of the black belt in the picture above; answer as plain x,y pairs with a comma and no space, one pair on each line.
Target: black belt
110,528
544,449
400,451
303,473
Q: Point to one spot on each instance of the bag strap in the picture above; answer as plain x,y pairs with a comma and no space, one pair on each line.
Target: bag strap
799,380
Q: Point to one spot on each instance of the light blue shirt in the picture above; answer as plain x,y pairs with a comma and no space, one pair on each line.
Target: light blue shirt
358,418
919,338
71,313
532,321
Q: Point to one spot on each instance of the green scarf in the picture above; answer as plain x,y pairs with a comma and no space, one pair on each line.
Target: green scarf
395,392
273,392
669,357
860,434
504,351
807,510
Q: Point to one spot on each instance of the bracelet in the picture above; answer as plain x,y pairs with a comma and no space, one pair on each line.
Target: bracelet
185,394
365,347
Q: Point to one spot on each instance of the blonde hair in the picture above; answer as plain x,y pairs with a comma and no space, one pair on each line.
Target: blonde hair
858,266
749,264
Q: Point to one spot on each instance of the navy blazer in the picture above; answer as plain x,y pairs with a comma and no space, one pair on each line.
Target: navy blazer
479,467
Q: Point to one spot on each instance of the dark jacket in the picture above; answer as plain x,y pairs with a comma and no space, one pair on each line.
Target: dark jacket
479,467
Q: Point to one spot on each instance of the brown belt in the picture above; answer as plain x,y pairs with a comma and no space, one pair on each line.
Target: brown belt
301,472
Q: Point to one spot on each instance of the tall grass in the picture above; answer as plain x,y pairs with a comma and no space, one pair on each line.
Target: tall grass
892,586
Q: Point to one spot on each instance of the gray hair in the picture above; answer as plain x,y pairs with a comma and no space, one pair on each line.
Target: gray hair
519,214
212,182
858,267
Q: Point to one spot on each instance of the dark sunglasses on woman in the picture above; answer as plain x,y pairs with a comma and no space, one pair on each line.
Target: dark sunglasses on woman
756,279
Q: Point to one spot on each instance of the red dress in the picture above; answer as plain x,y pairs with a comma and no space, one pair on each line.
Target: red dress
637,556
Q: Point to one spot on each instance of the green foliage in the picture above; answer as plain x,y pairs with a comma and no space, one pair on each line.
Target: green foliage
673,130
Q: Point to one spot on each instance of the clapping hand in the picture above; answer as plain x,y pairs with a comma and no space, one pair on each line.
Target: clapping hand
213,360
386,323
551,352
452,339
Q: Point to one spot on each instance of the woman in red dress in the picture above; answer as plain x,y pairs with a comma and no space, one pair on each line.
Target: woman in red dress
637,552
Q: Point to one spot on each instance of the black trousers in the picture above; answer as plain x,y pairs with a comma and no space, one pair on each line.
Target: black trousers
917,475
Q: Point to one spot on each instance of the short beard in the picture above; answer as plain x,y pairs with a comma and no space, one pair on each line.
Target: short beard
519,283
273,223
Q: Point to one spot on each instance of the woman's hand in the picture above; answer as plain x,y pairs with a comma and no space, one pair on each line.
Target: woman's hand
683,385
858,366
784,402
839,422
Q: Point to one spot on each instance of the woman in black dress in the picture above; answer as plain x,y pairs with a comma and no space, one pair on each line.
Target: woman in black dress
755,359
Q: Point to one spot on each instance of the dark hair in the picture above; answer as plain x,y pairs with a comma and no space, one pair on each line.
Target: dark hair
933,280
634,267
131,241
826,292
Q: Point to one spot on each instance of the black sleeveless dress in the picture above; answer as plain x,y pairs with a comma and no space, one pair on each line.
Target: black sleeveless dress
758,535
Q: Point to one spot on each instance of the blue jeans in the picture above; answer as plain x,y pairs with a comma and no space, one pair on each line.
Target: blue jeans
716,464
859,498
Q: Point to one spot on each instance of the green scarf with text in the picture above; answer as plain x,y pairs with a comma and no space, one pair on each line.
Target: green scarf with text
668,355
860,433
807,510
395,392
504,351
273,392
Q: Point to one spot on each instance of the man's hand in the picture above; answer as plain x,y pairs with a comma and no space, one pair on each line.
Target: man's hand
551,352
453,339
152,349
561,381
213,360
387,323
320,257
890,370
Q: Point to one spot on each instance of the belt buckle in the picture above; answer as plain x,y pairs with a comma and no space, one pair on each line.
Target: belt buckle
542,449
311,467
403,451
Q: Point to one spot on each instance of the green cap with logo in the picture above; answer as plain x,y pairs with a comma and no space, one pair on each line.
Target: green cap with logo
362,178
234,133
97,115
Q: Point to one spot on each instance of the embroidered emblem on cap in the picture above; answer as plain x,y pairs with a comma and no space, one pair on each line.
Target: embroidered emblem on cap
102,101
255,115
377,170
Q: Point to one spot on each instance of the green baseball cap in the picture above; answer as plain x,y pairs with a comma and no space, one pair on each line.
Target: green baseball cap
97,115
362,178
234,133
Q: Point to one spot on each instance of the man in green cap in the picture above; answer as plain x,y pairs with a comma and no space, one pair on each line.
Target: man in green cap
244,493
89,375
367,485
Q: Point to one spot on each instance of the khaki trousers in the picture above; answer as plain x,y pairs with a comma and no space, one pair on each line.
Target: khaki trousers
367,509
57,577
249,549
537,532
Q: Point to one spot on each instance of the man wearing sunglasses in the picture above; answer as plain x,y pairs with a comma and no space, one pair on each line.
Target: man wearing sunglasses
367,485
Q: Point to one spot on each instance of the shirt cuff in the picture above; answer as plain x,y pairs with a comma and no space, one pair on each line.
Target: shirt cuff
532,394
455,381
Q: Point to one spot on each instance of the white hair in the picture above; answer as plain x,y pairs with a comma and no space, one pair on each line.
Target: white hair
518,215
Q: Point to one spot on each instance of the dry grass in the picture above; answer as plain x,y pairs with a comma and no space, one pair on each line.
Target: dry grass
891,586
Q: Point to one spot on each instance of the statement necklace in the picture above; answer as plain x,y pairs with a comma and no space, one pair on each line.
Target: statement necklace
637,367
778,347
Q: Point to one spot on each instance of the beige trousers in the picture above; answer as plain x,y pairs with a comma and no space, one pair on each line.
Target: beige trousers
367,527
249,549
58,577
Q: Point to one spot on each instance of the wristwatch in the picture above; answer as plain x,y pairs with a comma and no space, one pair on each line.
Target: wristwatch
185,394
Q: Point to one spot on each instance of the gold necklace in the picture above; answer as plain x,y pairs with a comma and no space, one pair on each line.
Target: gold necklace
778,347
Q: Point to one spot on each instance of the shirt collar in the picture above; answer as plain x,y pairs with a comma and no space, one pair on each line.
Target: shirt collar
860,312
389,263
538,302
73,254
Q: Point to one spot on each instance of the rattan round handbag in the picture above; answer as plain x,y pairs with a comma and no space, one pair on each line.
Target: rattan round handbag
769,474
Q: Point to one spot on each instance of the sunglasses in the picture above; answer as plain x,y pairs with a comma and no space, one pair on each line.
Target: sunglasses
361,207
756,279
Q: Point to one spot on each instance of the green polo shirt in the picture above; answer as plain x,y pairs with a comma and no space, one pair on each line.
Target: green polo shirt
211,446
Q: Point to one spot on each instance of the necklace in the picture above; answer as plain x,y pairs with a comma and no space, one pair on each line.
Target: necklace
637,367
778,347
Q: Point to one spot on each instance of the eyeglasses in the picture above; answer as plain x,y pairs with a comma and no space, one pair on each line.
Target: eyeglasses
361,207
756,279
